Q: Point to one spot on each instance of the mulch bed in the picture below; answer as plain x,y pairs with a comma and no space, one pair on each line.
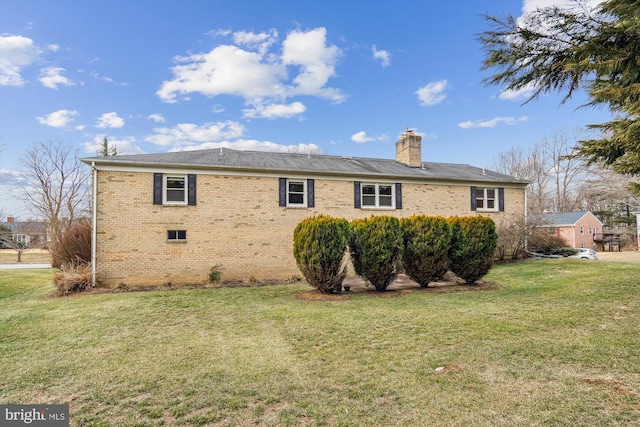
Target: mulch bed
400,286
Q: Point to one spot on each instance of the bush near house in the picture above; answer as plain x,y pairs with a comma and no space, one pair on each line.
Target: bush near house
319,247
74,247
473,242
426,248
376,249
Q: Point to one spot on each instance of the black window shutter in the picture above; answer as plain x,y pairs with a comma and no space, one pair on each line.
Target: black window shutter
311,202
356,195
501,199
157,188
282,192
473,198
192,189
398,195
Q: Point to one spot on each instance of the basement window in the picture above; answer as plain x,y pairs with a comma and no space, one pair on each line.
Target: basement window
177,235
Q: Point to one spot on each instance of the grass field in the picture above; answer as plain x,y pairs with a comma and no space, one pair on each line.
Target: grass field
31,256
552,342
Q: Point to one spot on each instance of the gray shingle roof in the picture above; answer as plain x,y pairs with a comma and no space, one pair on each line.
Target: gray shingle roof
263,161
561,218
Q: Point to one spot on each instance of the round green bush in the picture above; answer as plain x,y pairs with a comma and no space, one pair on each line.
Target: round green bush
426,248
473,242
319,247
376,248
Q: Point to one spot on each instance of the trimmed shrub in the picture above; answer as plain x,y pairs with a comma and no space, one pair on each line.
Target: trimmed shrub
426,248
473,242
319,247
73,278
74,247
376,248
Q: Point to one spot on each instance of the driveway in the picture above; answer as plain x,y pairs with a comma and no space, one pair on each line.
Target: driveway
10,266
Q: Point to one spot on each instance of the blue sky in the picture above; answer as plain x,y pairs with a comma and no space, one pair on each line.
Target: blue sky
347,76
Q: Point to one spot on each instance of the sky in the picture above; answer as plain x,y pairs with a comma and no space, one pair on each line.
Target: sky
343,76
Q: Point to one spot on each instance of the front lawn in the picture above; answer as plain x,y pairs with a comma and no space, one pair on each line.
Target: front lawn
553,342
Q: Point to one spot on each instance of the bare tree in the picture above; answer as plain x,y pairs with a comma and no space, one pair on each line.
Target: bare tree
558,179
566,172
532,166
56,189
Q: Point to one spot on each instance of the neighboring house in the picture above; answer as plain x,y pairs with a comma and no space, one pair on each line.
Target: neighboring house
31,234
170,217
577,229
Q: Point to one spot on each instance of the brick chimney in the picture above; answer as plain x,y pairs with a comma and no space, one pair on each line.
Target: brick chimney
11,219
409,149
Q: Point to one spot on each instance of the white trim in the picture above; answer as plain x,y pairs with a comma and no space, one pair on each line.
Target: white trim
496,199
376,195
305,202
165,189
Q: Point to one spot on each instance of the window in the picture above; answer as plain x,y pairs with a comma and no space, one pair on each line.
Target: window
177,235
551,230
174,189
377,195
296,193
582,230
487,199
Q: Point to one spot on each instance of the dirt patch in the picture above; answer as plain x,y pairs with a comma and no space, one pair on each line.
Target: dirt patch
400,286
625,256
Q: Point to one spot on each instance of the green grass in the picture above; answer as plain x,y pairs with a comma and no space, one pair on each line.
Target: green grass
554,342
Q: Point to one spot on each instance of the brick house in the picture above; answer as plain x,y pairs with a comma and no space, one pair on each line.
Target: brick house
577,229
170,217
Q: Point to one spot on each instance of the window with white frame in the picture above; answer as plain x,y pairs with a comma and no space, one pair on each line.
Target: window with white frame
175,189
377,195
486,199
297,192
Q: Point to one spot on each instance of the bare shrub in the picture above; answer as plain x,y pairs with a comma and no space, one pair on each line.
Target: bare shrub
73,278
74,247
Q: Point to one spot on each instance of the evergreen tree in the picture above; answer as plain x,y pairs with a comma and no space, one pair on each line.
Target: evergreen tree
563,50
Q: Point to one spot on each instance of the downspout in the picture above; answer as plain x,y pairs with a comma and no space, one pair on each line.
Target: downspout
526,219
94,222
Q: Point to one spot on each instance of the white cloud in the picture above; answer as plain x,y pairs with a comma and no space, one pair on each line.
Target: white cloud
520,94
240,144
189,134
432,93
383,55
532,5
51,77
158,118
58,119
16,52
361,137
258,76
492,123
273,111
110,120
126,145
260,42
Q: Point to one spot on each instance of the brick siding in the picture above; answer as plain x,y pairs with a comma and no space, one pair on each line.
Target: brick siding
236,223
